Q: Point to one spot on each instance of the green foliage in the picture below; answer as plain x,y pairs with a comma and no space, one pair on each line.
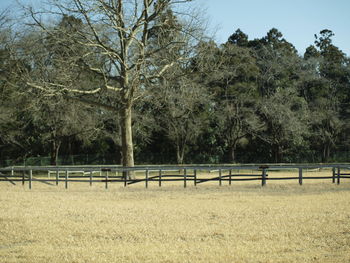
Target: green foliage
242,101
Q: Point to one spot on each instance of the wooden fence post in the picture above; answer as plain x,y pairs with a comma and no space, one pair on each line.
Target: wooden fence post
12,171
57,176
230,177
195,177
333,175
300,176
338,176
220,177
30,179
146,181
90,178
125,174
185,178
66,178
23,177
263,177
106,186
160,177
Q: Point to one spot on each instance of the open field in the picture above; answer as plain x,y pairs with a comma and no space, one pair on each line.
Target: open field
283,222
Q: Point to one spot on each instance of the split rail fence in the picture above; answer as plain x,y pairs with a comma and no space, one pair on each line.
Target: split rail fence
161,174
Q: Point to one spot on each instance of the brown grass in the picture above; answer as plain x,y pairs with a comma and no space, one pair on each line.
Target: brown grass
283,222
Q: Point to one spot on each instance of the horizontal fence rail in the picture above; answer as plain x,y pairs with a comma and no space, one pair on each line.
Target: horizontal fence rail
53,175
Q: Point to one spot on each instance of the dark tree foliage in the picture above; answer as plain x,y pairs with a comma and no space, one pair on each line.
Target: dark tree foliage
193,101
238,38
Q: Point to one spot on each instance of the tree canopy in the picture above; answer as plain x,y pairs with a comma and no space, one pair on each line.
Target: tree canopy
138,80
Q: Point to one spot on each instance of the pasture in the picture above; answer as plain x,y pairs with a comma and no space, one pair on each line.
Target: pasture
244,222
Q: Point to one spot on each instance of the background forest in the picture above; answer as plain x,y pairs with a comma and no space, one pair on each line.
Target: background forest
243,101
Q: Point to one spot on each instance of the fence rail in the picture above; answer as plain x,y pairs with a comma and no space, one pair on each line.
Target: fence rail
145,174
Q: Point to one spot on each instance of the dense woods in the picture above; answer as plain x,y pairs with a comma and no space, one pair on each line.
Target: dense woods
111,82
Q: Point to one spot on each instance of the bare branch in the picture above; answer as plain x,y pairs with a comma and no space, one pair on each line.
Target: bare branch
64,89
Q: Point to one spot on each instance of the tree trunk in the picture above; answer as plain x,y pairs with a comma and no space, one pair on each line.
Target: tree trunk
70,152
126,138
233,153
326,153
55,147
180,152
277,153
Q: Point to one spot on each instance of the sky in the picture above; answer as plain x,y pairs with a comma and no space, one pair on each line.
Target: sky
298,20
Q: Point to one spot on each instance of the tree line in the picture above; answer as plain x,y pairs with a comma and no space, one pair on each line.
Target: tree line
142,78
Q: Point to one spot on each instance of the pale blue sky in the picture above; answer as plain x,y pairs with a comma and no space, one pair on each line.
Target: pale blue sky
298,20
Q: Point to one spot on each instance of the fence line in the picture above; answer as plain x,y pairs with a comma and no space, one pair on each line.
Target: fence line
186,174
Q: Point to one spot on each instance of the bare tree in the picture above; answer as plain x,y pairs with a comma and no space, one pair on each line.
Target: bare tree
114,37
9,125
287,119
180,109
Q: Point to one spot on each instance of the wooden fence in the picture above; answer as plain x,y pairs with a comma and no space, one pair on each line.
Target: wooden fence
161,174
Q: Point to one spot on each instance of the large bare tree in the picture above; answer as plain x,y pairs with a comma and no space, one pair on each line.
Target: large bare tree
114,41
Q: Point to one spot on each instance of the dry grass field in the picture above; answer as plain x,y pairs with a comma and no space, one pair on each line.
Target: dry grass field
282,222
